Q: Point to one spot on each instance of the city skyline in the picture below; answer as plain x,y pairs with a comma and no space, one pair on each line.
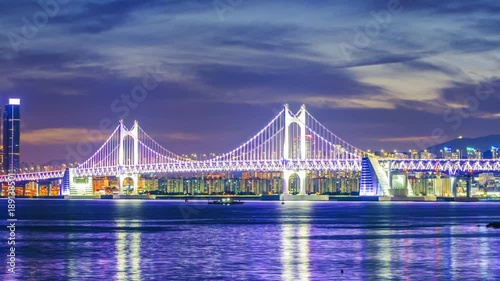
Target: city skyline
208,74
95,136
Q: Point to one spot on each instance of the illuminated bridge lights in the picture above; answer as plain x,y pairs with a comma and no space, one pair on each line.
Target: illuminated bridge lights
451,166
290,142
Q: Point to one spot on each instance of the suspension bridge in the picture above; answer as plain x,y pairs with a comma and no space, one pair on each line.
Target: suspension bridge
291,143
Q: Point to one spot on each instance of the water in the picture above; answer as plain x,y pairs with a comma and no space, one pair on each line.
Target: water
157,240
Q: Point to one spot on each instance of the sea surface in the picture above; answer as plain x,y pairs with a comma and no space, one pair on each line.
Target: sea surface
175,240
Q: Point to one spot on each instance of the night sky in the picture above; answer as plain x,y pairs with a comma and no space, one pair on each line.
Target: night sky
377,73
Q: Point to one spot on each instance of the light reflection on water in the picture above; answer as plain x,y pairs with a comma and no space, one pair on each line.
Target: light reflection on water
287,252
121,258
484,261
128,252
295,247
304,251
148,240
453,253
384,255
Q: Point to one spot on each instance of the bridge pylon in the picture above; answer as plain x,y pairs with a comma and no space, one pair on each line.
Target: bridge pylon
124,154
300,120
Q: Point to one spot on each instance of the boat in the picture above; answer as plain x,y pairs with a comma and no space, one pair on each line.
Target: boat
226,201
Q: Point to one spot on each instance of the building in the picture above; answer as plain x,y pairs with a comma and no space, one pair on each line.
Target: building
1,156
495,152
427,155
413,154
473,153
310,149
12,136
449,153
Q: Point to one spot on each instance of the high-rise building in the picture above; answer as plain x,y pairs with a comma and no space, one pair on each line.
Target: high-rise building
12,136
427,155
1,155
473,153
296,144
495,152
1,142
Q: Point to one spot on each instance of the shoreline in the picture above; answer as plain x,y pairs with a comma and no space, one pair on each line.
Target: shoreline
304,198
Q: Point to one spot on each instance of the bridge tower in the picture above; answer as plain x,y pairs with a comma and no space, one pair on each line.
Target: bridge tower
134,134
300,120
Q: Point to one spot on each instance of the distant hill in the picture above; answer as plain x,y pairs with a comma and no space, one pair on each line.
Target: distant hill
484,144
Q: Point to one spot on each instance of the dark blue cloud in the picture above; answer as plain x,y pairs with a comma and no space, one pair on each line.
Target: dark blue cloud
97,17
425,66
301,79
486,26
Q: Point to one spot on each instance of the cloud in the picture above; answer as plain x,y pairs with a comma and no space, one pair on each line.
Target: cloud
71,136
346,102
61,136
405,139
177,137
101,16
221,74
488,116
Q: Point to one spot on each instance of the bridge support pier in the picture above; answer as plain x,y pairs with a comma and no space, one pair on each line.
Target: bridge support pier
60,187
469,186
121,186
389,176
453,186
302,176
286,180
37,189
302,181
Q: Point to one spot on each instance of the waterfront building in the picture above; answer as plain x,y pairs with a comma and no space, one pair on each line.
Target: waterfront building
12,136
1,156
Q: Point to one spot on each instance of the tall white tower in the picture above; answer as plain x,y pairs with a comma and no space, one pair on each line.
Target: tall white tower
300,120
134,134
